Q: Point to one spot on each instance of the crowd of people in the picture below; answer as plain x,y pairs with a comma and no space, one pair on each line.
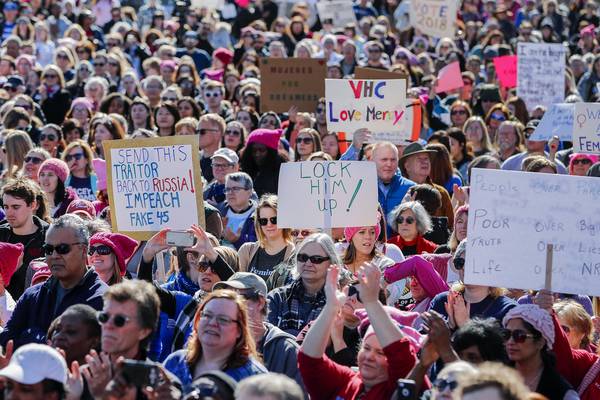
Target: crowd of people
252,310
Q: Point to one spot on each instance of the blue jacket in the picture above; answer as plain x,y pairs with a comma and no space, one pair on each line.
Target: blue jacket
397,189
36,309
162,339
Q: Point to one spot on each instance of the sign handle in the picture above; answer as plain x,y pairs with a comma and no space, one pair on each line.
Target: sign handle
549,255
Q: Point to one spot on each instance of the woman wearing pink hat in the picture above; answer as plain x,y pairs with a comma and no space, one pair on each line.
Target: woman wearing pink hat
361,248
52,175
12,258
108,254
580,163
261,160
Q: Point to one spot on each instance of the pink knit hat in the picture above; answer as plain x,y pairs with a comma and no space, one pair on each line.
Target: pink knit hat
83,101
59,167
537,317
9,260
404,319
268,137
100,169
121,245
349,232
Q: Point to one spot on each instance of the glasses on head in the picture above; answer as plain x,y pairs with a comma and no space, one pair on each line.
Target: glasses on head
62,248
119,320
34,160
409,220
48,136
302,257
585,161
233,189
102,250
221,166
457,112
232,132
296,233
305,140
265,221
205,131
518,335
220,319
70,157
442,385
459,263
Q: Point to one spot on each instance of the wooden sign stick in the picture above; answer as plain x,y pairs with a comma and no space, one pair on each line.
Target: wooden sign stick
549,255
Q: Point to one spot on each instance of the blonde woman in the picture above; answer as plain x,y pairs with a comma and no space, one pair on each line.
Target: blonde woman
44,46
16,146
54,98
477,136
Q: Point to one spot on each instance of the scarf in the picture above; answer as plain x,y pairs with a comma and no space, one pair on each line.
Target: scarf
299,312
184,320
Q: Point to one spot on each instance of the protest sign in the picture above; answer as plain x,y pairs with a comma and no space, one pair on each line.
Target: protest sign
207,4
449,78
436,18
506,70
153,184
557,121
513,216
375,73
378,105
327,194
586,128
541,73
291,81
340,12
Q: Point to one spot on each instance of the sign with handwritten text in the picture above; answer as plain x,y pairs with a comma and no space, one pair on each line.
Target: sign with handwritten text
541,73
154,183
557,121
436,18
339,12
586,128
378,105
327,194
514,215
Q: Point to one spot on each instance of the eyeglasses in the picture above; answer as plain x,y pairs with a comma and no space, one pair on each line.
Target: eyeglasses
313,259
63,56
204,131
585,161
222,166
518,335
305,140
34,160
456,112
498,117
409,220
233,189
50,76
50,137
231,132
62,249
376,50
459,263
442,385
119,320
99,64
221,319
171,99
102,250
212,94
265,221
70,157
296,233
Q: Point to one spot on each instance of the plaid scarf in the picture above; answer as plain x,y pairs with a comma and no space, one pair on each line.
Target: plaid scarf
299,308
185,320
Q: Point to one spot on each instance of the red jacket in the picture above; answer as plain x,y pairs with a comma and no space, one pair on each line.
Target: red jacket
326,380
423,245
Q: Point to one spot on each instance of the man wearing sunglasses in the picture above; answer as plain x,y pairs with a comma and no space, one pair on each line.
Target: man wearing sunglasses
22,226
72,282
210,131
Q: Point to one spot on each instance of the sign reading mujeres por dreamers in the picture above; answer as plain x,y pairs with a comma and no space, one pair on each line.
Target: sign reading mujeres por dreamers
327,194
154,183
513,216
436,18
378,105
586,128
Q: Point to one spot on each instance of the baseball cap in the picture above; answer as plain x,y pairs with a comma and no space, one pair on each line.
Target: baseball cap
243,280
32,363
14,81
532,124
81,206
227,154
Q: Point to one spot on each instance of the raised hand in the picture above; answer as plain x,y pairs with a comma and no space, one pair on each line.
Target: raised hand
462,310
6,355
369,277
97,372
334,297
203,244
74,382
544,299
155,244
360,137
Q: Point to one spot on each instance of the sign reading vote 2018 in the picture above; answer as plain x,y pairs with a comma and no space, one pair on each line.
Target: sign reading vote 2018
327,194
154,183
513,216
378,105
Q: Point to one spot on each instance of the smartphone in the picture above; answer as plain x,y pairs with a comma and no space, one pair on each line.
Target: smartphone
180,238
406,390
140,373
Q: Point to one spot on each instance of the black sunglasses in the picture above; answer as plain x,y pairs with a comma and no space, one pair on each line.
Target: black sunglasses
62,249
205,131
305,140
102,250
313,259
78,156
265,221
49,137
296,233
118,319
459,263
518,335
232,132
409,220
442,384
34,160
584,161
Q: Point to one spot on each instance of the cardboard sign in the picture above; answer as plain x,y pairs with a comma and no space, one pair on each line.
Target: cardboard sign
340,12
557,121
207,4
376,73
154,183
449,78
291,81
327,194
586,128
435,18
378,105
513,216
541,73
506,70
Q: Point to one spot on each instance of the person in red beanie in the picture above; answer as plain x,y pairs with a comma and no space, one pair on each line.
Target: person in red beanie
52,175
221,58
108,255
12,257
261,160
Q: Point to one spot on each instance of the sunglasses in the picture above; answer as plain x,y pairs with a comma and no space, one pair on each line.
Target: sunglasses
459,263
585,161
296,233
231,132
50,76
233,189
98,64
305,140
457,112
49,137
62,249
353,291
204,131
34,160
313,259
518,335
221,166
70,157
265,221
193,257
442,385
63,56
119,320
212,94
409,220
102,250
498,117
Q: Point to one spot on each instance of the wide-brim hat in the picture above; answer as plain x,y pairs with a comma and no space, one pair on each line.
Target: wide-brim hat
412,149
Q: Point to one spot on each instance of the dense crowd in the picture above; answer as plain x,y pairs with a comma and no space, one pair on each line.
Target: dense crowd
251,310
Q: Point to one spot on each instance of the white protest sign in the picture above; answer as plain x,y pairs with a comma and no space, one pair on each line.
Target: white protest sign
586,128
557,121
339,11
541,73
514,215
327,194
154,183
207,4
435,18
378,105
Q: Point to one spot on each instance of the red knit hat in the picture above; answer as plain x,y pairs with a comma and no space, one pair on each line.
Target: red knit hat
121,245
268,137
59,167
9,260
224,55
82,206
